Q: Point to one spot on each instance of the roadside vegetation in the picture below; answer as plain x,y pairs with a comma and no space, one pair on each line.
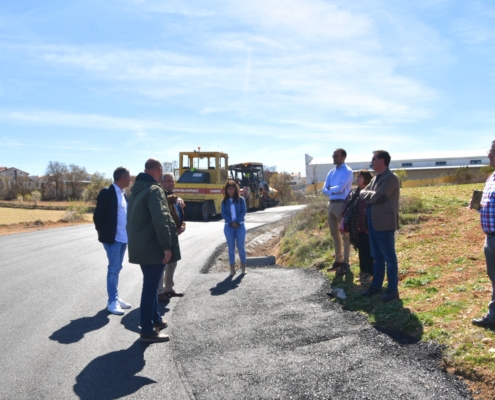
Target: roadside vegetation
443,281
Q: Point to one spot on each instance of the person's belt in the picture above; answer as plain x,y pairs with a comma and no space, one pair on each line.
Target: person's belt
336,201
490,234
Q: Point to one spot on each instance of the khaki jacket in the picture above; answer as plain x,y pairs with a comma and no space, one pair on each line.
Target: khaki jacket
383,197
150,227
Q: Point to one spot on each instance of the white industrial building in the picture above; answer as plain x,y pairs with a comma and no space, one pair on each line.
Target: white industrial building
416,166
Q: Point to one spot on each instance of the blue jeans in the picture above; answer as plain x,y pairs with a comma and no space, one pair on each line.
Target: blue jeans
382,245
149,303
490,269
115,255
235,236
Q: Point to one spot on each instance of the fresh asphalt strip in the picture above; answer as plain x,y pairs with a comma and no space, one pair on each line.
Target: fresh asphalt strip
274,334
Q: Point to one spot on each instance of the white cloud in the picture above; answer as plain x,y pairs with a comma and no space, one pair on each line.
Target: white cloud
190,8
307,18
475,32
303,58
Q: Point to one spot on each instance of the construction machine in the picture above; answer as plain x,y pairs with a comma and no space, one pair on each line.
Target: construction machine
202,176
254,189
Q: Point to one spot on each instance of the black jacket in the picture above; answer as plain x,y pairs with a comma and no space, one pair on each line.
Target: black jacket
105,215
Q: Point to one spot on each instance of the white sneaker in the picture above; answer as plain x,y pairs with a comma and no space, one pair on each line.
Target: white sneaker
114,308
123,304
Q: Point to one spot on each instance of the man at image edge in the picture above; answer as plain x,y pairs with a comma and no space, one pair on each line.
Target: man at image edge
487,219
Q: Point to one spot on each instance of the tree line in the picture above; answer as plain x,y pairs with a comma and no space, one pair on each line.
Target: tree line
71,181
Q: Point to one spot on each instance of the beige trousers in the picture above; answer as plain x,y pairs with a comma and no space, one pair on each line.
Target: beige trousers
167,280
340,240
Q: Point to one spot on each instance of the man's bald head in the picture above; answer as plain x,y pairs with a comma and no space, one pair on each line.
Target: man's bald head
153,167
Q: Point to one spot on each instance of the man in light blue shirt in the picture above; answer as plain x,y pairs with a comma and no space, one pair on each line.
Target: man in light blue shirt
337,186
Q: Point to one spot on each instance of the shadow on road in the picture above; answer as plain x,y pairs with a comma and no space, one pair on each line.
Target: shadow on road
76,329
226,285
131,320
391,318
113,375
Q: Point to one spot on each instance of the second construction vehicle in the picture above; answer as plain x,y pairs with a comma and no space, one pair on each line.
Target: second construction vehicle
254,189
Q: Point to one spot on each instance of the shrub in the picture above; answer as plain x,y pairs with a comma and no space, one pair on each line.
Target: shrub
409,205
19,199
36,196
74,211
98,182
487,169
462,175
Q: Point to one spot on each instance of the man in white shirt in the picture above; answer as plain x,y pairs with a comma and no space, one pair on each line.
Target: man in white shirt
337,186
110,218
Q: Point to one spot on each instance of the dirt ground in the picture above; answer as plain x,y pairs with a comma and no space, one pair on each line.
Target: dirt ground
260,242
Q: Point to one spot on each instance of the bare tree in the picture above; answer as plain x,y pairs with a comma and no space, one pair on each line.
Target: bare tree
173,167
75,177
98,182
269,171
170,166
56,173
281,182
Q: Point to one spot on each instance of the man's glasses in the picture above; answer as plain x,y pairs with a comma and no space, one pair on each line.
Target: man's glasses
490,153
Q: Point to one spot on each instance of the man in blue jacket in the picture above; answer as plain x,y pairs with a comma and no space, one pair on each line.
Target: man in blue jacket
110,218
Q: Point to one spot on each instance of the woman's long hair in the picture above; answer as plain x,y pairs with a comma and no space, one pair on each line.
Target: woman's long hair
366,175
231,183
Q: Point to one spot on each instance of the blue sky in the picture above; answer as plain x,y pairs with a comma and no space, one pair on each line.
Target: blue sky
107,83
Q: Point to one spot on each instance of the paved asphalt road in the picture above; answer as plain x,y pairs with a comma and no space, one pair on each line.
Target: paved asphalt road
270,334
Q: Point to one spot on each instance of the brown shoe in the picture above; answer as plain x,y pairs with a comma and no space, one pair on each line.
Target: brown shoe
161,325
162,297
173,294
335,266
154,337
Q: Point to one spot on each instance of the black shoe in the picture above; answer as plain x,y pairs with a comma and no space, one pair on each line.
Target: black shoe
371,291
389,296
344,268
335,266
484,322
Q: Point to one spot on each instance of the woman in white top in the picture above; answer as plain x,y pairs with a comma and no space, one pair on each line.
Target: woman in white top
233,212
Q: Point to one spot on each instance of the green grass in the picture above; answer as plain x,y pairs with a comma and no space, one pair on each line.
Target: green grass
442,272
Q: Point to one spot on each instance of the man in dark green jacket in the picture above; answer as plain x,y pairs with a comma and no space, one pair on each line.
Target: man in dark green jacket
153,242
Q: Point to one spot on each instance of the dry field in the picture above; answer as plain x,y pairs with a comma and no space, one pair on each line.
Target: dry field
17,215
16,220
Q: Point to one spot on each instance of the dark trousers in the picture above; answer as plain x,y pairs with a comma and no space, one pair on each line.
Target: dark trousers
382,245
366,263
490,268
149,303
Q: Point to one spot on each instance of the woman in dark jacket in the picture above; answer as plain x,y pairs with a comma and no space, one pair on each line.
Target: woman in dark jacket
233,212
354,221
